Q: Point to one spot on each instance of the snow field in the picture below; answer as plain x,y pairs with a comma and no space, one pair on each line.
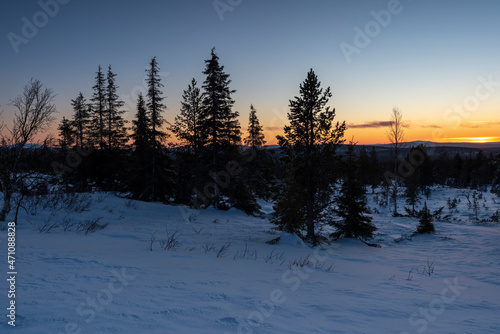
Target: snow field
221,275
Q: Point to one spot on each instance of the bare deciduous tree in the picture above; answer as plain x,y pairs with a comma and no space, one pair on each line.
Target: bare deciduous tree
34,114
396,131
396,136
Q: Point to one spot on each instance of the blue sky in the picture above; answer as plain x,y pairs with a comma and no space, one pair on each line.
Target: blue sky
427,58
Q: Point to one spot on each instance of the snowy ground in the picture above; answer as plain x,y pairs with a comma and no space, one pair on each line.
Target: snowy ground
110,282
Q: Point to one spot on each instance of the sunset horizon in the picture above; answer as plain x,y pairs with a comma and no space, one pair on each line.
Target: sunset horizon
373,55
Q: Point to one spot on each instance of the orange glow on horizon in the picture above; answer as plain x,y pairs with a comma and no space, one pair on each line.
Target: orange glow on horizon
472,140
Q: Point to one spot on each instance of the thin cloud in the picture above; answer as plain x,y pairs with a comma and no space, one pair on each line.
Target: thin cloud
385,124
431,126
370,125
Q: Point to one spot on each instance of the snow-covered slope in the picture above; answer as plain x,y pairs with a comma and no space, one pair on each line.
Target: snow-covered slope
110,281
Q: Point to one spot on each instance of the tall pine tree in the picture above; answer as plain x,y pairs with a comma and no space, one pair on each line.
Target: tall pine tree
160,187
309,144
188,128
220,122
99,108
155,104
115,127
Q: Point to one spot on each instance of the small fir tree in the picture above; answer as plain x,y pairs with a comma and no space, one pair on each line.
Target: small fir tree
352,208
81,120
140,128
255,130
66,133
188,125
425,218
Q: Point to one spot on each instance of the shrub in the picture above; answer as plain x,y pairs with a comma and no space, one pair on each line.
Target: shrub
425,218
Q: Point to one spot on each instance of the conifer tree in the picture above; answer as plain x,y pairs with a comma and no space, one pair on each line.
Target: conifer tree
155,104
309,143
412,184
289,211
81,120
220,122
99,108
258,166
425,218
424,169
188,130
115,127
140,178
420,179
160,186
188,125
66,133
141,127
351,204
255,130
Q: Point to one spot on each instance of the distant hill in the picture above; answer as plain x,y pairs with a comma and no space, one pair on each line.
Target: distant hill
478,146
384,151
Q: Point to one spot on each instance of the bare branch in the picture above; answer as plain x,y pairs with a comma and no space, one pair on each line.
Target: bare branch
396,134
35,108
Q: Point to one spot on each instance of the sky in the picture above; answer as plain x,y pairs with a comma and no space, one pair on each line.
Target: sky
438,62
